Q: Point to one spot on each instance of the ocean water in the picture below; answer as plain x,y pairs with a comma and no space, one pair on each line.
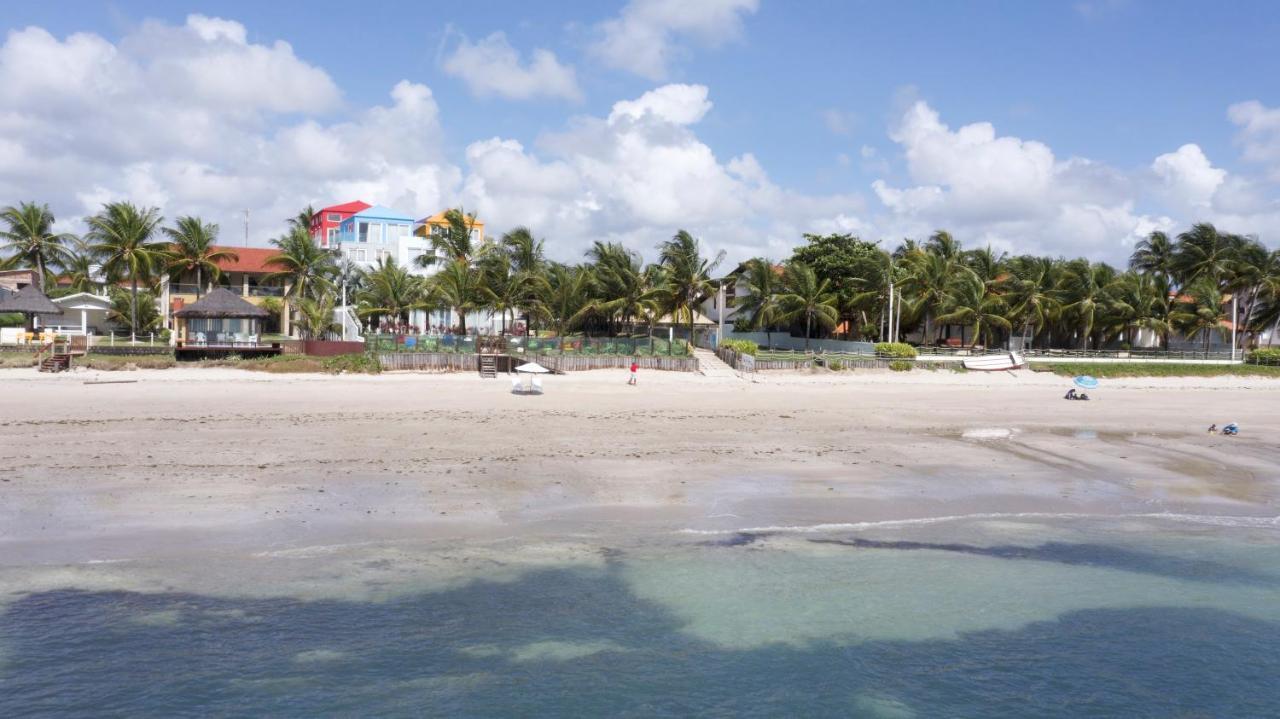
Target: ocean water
1020,616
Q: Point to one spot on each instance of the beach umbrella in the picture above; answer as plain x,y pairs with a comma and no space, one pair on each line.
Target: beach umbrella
531,369
1084,381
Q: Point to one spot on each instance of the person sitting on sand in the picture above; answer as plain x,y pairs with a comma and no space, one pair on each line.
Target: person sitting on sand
1071,394
1213,428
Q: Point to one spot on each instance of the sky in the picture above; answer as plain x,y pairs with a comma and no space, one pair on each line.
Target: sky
1064,128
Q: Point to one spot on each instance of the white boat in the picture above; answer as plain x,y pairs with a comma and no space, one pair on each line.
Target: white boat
995,363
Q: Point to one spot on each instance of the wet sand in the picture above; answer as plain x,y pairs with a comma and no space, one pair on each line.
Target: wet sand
184,460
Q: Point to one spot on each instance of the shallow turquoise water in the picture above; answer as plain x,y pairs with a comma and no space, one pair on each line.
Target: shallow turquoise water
985,618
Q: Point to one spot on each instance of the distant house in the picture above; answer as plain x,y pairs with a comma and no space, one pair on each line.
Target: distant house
83,313
376,232
438,224
246,276
15,280
324,226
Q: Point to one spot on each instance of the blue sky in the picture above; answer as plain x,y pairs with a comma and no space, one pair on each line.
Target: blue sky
814,93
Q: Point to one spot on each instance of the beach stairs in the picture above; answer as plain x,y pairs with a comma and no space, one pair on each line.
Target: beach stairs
709,365
57,362
488,366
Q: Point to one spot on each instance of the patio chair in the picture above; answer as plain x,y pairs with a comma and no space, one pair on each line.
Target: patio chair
537,385
241,338
515,385
201,339
253,340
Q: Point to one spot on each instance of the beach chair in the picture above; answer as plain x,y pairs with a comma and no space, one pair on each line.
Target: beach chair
201,339
537,385
515,385
253,340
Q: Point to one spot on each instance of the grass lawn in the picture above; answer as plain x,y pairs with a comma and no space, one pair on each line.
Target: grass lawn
1142,369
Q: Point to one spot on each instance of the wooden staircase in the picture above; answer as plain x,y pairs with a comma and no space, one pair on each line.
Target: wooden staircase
488,367
56,362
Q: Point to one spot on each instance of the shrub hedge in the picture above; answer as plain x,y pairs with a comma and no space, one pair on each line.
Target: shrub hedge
743,347
895,350
1264,356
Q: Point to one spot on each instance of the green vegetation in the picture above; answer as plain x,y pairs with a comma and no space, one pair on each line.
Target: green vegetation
1265,356
895,350
901,365
1152,369
742,347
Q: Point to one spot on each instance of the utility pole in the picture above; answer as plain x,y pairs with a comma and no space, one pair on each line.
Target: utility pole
720,314
891,308
246,227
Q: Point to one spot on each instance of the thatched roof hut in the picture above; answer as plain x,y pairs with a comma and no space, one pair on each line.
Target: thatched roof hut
222,303
29,301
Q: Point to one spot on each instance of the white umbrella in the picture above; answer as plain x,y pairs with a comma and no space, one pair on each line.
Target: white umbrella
531,369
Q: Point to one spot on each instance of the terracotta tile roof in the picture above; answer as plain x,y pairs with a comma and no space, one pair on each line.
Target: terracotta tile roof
249,259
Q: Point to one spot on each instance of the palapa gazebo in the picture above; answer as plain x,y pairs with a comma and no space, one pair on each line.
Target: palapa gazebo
220,318
29,302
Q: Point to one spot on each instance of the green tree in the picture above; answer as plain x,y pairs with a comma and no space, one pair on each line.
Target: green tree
28,234
807,297
854,269
1084,288
194,249
140,316
307,269
303,220
970,303
122,234
762,308
687,276
389,290
1200,311
461,288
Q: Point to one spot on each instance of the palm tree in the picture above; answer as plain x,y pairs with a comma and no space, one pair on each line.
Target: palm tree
29,234
688,276
1200,311
307,268
1030,293
79,271
761,307
970,303
122,234
568,293
461,288
804,295
456,242
390,290
195,250
303,220
126,310
315,317
1204,253
1138,302
1154,256
925,280
1084,287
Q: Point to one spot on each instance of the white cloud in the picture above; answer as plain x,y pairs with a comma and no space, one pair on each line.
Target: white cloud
1188,178
645,38
677,104
491,67
1006,191
839,122
1259,134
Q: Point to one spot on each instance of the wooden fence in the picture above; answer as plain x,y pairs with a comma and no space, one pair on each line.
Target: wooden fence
449,362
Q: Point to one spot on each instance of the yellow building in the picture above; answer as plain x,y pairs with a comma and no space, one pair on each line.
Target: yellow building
245,276
438,223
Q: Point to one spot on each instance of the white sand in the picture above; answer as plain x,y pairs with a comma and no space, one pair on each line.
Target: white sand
188,458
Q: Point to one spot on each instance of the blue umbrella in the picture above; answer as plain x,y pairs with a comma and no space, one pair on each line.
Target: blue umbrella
1084,381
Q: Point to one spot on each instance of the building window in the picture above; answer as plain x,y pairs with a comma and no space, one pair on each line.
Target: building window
335,217
333,235
358,255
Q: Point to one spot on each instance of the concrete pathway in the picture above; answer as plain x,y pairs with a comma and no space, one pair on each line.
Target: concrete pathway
712,366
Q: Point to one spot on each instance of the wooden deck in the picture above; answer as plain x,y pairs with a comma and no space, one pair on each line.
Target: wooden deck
189,351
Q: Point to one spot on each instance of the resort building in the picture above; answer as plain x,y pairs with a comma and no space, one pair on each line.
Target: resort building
324,226
14,280
379,232
246,276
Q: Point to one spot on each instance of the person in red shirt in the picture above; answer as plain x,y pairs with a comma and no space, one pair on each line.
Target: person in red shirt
634,368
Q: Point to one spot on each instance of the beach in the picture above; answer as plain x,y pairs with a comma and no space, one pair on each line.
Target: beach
885,544
208,455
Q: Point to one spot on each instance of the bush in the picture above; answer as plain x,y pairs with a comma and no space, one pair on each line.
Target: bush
901,365
895,350
836,365
742,347
360,364
1266,356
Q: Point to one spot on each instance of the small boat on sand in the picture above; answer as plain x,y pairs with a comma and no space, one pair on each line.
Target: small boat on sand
995,363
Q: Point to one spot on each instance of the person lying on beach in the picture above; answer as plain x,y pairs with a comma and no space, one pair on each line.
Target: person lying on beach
1071,394
1231,430
1082,395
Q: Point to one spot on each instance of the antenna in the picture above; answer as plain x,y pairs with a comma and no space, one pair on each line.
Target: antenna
246,227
